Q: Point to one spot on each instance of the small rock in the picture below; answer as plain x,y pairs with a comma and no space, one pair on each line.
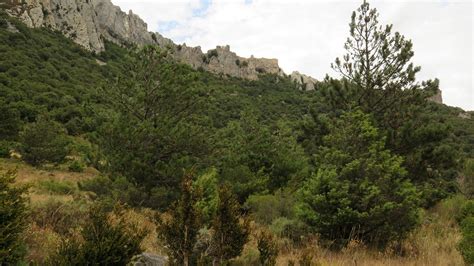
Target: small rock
148,259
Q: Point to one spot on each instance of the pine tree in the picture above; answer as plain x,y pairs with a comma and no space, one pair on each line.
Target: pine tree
12,219
377,72
230,234
359,190
180,231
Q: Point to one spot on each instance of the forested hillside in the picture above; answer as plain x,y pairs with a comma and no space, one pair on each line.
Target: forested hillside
130,151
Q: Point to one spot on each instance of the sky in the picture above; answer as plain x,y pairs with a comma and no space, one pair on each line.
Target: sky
307,35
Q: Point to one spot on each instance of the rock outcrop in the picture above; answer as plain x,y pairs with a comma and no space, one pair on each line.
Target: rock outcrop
147,259
437,97
91,22
305,82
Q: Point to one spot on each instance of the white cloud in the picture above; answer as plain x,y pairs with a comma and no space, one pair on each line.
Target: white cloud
306,35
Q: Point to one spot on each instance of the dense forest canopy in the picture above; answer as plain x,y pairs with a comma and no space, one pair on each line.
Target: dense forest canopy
359,157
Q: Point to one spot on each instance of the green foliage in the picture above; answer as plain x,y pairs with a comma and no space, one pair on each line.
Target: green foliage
111,190
377,63
230,234
10,123
268,248
267,208
43,71
76,166
102,242
6,147
255,159
359,190
379,78
292,229
180,231
44,141
466,246
467,210
156,132
13,213
208,184
467,183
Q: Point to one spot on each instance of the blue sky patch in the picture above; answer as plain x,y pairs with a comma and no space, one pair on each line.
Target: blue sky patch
165,26
201,11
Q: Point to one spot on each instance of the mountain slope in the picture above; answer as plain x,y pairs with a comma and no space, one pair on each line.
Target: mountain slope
90,23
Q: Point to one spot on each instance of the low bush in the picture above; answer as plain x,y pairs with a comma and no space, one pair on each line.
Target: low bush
268,248
267,208
5,147
104,240
466,246
76,166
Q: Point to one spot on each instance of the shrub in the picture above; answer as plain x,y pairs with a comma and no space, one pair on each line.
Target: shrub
207,183
9,122
3,23
467,210
44,141
12,219
119,189
359,190
180,231
267,208
467,184
76,166
466,246
5,147
268,249
103,241
230,234
292,229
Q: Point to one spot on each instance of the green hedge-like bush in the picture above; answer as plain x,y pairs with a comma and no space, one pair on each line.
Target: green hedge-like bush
466,246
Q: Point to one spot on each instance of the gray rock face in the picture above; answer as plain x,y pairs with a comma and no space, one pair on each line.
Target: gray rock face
306,83
147,259
90,22
437,98
87,22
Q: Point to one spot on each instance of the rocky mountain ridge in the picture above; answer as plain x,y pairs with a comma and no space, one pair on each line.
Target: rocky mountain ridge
91,22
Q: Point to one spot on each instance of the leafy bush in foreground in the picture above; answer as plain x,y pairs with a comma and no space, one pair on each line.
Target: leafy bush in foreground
359,190
12,220
102,242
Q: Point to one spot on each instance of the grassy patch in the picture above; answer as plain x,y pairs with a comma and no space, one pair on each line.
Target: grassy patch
57,187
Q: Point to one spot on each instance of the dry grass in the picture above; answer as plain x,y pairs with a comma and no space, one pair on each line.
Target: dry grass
433,243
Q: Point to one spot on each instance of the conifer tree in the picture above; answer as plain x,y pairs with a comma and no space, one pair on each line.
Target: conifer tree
377,73
360,189
180,231
230,233
12,219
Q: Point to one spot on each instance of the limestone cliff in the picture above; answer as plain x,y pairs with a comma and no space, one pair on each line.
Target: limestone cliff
91,22
305,82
